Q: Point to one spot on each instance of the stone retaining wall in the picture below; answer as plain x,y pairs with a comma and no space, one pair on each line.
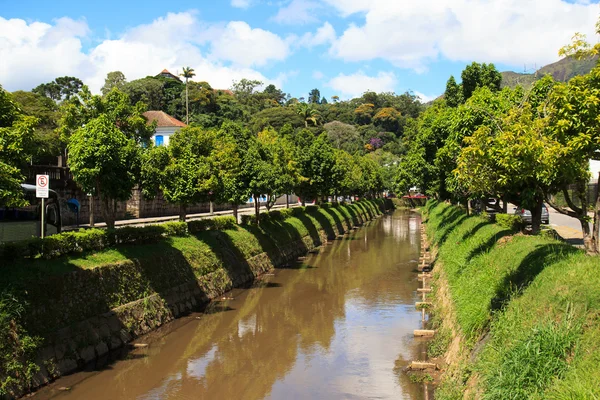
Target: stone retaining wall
73,347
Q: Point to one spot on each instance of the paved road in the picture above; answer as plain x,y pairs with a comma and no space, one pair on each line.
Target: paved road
155,220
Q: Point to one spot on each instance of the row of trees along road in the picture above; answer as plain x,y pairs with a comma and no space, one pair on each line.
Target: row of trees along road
110,152
522,146
249,140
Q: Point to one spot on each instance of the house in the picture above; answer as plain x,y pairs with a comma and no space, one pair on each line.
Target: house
166,74
165,126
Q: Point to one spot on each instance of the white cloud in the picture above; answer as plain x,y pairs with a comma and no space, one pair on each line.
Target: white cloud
298,12
356,84
412,34
242,45
33,53
318,75
241,3
324,35
425,98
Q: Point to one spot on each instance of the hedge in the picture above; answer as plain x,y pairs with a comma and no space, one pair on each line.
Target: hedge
509,221
97,239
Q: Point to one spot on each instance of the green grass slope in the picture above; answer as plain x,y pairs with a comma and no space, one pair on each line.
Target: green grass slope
535,302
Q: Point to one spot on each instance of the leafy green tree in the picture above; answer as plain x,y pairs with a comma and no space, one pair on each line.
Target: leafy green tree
479,75
149,90
16,146
188,73
316,162
106,161
229,157
276,117
574,110
62,88
276,95
113,79
259,171
47,144
115,105
314,96
343,136
453,93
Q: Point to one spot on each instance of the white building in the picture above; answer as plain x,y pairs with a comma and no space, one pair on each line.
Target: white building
594,169
166,126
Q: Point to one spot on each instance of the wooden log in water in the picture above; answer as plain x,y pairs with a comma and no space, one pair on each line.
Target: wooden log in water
424,290
422,365
423,333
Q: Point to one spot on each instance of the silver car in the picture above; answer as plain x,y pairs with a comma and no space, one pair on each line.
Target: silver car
526,215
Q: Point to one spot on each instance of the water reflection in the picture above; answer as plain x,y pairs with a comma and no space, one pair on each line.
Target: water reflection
331,331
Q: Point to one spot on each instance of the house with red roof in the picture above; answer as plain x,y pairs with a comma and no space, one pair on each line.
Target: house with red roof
166,74
166,126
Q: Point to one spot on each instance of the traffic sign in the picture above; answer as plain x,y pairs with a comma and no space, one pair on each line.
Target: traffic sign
42,184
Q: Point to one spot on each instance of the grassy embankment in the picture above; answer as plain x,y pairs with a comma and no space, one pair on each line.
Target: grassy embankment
517,316
40,296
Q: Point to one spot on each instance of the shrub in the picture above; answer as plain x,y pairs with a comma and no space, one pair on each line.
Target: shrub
175,228
198,225
509,221
311,209
248,219
222,223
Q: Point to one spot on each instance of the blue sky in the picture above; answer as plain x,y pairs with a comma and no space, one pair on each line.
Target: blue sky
342,47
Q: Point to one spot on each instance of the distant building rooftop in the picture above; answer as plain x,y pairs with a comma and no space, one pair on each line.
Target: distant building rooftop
165,73
163,119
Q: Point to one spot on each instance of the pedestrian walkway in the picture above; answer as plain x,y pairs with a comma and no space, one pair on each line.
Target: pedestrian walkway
157,220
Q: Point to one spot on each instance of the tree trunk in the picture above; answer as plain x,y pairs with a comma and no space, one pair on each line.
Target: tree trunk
212,207
257,209
187,103
504,204
106,207
595,242
234,207
182,212
466,205
287,201
92,210
536,217
303,202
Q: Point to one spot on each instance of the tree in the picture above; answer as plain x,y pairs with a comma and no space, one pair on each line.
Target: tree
62,88
453,93
364,113
387,118
105,161
314,96
259,171
343,136
116,106
316,162
308,112
479,75
187,73
276,117
274,94
233,180
16,146
574,113
113,79
46,143
149,90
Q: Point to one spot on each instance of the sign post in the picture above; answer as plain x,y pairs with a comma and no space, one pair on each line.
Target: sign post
42,184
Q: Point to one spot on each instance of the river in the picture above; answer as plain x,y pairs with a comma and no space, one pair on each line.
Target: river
337,325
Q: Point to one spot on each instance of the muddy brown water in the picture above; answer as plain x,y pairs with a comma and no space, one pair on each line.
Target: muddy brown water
338,325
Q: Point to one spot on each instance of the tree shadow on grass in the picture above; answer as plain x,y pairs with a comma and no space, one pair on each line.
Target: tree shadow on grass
338,222
471,232
532,265
325,224
447,226
488,244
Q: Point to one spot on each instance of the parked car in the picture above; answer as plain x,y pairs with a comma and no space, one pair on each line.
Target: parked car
526,215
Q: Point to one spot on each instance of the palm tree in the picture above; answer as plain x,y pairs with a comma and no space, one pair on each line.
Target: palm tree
308,112
187,73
